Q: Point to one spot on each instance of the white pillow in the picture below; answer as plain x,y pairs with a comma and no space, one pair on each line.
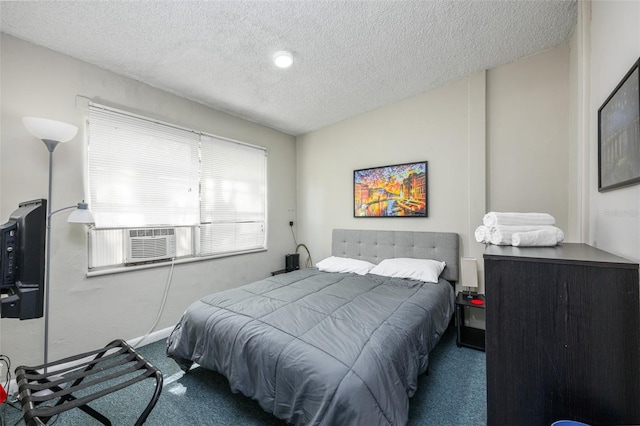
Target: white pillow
344,264
417,269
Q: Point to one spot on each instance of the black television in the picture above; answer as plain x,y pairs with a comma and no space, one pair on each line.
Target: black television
22,261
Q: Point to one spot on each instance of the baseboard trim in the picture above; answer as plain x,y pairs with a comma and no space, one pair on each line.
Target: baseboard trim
151,337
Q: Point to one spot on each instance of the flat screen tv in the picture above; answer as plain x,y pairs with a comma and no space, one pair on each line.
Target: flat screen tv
22,261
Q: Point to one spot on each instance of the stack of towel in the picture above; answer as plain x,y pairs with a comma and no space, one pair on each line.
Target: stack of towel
519,229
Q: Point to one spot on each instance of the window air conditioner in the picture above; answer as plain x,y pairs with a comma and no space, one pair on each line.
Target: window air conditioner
145,245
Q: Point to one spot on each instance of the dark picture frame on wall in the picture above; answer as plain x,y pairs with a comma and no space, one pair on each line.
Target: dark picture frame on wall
398,190
619,134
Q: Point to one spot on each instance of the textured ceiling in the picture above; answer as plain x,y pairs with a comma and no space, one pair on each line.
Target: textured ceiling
349,56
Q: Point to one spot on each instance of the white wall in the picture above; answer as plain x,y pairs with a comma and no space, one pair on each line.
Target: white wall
528,143
430,127
614,216
87,313
511,127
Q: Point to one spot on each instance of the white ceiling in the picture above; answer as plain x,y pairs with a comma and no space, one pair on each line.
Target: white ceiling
349,56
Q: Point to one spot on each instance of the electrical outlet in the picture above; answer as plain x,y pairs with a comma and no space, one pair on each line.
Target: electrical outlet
290,223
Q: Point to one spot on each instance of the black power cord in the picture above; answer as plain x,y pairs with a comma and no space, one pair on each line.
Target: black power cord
5,359
5,387
293,233
309,262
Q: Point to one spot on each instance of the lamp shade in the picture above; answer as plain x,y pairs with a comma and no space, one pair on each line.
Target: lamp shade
51,130
469,272
81,214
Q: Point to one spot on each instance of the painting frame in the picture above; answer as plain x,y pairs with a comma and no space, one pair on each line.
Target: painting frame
619,134
397,190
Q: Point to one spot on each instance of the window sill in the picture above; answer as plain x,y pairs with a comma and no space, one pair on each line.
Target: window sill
119,269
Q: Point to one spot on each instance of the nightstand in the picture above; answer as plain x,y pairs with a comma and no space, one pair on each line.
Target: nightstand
468,336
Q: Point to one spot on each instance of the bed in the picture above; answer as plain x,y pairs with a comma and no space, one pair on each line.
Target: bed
328,348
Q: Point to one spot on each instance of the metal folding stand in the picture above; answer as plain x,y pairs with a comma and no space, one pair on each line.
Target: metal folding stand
106,370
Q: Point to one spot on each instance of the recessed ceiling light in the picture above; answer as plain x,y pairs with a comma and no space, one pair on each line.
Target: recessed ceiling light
283,59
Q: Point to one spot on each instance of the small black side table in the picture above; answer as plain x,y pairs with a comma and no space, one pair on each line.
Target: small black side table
468,336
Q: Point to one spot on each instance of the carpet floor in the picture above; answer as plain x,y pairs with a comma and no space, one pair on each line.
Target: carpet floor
452,393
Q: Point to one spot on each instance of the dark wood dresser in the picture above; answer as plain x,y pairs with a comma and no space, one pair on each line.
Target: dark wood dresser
562,336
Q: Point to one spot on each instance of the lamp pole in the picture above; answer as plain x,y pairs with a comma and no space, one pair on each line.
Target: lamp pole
52,133
51,146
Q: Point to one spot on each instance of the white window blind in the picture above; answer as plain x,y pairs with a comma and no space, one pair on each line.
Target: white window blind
141,172
233,196
145,174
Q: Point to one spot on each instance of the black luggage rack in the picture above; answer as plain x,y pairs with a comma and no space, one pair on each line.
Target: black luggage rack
106,370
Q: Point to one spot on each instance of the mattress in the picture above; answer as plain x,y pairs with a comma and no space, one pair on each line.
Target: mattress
319,348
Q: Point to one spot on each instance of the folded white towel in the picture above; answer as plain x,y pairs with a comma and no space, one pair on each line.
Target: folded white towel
501,235
541,238
483,234
518,219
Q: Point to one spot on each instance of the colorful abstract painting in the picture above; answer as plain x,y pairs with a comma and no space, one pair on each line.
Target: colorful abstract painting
391,191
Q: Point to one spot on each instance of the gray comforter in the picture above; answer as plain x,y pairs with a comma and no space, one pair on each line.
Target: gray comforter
319,348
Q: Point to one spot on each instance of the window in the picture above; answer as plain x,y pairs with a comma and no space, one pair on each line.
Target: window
232,190
209,190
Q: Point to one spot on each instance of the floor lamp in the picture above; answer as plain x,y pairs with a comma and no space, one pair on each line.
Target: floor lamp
52,133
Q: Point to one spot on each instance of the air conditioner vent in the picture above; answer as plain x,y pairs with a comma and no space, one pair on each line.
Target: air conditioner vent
149,244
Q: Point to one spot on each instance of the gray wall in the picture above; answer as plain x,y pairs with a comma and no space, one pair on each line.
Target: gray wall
612,40
432,127
87,313
494,141
528,144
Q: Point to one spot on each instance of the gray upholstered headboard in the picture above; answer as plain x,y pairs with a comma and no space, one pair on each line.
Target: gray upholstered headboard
374,246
